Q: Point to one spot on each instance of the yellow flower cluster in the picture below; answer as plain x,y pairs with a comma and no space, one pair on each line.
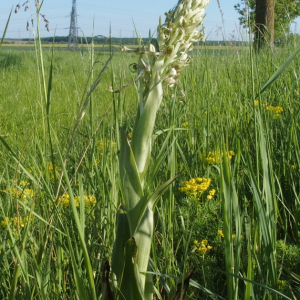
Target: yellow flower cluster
256,103
13,222
90,200
211,193
215,157
105,144
293,167
281,283
275,110
195,186
185,124
20,194
221,233
52,169
201,247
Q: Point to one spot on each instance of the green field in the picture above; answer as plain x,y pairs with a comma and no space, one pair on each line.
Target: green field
234,209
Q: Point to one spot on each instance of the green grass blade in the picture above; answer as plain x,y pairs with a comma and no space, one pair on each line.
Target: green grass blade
280,70
130,282
160,191
80,230
132,188
77,277
6,26
18,161
258,284
192,283
122,236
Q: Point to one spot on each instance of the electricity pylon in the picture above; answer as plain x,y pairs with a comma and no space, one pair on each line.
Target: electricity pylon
73,33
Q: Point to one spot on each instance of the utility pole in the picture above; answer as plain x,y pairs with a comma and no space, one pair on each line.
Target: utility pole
73,33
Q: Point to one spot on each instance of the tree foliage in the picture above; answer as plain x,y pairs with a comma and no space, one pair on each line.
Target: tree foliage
286,11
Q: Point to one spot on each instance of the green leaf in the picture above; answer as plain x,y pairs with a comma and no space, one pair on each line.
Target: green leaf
130,286
258,284
80,231
77,278
280,70
122,236
192,283
143,131
164,149
131,184
152,200
18,161
6,26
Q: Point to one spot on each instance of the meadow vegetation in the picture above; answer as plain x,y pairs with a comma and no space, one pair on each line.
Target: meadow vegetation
232,214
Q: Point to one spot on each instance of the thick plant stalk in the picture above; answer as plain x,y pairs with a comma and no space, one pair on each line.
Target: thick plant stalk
156,68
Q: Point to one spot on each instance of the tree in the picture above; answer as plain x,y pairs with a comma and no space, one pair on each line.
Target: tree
285,12
264,22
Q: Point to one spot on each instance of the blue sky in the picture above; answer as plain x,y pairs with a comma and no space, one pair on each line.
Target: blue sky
119,13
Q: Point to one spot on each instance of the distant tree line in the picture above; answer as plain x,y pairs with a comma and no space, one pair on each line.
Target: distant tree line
129,41
97,40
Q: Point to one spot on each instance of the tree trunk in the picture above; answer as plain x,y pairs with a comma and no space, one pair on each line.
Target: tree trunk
264,22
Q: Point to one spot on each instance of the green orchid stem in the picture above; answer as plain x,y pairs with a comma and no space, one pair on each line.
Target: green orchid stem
131,251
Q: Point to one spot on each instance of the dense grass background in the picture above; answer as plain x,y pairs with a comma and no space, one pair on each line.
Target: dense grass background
251,222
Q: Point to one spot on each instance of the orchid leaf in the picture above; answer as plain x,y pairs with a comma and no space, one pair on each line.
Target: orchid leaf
130,283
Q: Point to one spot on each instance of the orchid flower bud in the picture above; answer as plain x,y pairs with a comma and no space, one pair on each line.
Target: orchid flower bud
172,72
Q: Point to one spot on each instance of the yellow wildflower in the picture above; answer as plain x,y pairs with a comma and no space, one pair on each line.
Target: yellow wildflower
5,222
64,200
281,283
52,169
90,200
201,247
212,192
14,222
105,144
185,124
201,250
195,186
275,110
215,157
204,242
28,192
16,193
18,221
220,232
